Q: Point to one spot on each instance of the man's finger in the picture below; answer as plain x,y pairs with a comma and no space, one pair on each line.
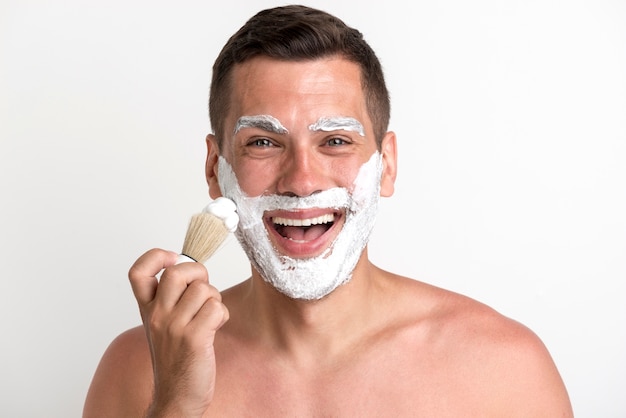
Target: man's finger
175,280
143,273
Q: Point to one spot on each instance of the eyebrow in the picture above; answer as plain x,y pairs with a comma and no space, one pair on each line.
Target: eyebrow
338,123
265,122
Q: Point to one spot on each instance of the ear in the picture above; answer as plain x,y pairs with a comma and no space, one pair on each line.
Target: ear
211,166
390,164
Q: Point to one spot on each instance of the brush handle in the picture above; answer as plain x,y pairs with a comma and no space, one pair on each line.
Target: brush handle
182,258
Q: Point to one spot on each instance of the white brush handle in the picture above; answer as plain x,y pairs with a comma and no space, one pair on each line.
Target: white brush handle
182,258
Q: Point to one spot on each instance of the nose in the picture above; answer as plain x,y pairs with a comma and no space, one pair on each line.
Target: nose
302,174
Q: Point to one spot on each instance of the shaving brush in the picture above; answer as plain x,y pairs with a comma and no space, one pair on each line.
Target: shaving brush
208,229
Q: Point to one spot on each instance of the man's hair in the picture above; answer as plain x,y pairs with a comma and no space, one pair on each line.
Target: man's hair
297,33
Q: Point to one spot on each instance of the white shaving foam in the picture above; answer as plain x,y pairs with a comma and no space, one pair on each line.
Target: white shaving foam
266,122
307,278
338,123
226,210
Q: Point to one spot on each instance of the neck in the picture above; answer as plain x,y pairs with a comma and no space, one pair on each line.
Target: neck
326,327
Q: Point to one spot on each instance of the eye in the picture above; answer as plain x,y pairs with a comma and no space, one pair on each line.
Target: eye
334,142
261,142
261,147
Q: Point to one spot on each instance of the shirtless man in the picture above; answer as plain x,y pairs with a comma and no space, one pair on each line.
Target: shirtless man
300,110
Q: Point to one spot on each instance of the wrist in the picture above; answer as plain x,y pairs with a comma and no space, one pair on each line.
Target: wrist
172,410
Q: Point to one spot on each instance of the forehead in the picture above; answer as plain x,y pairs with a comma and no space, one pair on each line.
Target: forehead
297,90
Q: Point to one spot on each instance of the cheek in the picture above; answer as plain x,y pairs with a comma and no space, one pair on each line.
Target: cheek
344,174
254,179
366,185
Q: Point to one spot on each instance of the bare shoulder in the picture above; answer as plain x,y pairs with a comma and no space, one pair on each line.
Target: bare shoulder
122,383
483,353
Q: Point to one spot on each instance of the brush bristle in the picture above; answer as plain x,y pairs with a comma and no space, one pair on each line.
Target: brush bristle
205,234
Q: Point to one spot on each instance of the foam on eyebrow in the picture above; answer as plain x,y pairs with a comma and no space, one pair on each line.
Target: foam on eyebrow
338,123
266,122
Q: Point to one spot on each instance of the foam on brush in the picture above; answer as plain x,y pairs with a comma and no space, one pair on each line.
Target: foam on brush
208,230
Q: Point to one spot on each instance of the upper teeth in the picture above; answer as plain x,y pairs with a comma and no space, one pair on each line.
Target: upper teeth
304,222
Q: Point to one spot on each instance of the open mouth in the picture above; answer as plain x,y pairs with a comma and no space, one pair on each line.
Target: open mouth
303,230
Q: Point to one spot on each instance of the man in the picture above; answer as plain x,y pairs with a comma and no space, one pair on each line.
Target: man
299,110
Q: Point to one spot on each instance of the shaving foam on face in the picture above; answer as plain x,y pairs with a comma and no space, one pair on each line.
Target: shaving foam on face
338,123
266,122
307,278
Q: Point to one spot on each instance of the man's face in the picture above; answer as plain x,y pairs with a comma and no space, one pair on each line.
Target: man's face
300,129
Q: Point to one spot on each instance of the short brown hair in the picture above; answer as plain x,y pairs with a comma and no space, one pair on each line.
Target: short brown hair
296,33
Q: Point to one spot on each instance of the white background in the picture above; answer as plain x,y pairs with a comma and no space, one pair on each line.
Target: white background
511,119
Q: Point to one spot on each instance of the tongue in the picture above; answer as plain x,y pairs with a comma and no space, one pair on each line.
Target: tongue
303,233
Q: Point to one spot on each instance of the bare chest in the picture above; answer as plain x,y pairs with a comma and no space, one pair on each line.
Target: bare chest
370,384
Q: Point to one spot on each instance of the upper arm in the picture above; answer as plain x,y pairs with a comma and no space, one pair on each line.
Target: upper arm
122,384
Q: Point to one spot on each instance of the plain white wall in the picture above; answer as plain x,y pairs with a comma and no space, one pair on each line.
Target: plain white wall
511,118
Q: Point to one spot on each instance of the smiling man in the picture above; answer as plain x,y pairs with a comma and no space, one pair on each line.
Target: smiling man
303,236
300,110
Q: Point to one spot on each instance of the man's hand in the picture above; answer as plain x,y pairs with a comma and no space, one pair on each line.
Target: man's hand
181,314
